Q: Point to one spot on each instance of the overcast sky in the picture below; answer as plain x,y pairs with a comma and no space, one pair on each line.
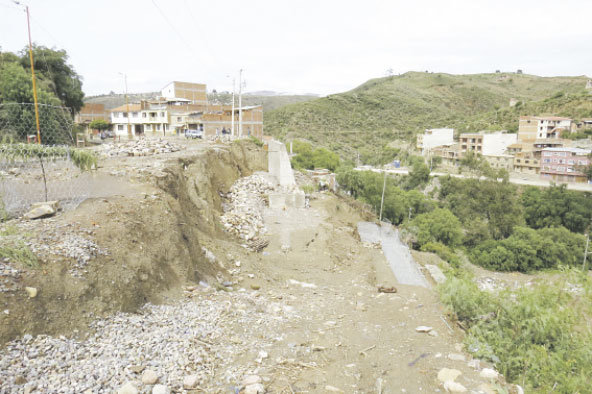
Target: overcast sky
301,46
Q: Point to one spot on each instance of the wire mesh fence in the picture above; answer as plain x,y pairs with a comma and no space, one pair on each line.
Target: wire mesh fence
30,171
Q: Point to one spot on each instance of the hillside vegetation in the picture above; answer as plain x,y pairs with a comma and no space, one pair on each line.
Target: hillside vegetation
268,101
383,109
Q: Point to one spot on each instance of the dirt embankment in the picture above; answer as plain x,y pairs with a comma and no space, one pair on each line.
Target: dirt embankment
152,242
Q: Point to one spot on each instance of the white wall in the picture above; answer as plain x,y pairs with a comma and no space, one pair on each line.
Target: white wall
495,144
437,137
168,91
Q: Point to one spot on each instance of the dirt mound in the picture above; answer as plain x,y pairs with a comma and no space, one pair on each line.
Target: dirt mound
153,241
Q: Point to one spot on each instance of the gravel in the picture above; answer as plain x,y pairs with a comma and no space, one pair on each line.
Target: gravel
141,147
243,213
197,336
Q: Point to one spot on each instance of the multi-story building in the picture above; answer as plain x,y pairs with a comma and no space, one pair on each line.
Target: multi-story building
490,144
173,114
531,128
564,164
434,137
195,93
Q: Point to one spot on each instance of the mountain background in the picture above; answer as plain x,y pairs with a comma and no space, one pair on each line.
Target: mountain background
382,110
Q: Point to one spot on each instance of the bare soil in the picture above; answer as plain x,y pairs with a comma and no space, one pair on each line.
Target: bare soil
341,333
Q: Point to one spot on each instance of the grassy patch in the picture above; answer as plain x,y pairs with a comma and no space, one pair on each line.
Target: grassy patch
538,337
16,251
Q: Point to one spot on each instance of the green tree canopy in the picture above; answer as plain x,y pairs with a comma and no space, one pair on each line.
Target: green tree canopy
440,225
99,124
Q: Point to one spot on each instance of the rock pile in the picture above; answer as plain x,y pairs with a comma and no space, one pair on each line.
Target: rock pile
244,212
141,147
166,348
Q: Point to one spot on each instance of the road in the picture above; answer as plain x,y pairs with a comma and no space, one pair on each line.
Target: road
513,178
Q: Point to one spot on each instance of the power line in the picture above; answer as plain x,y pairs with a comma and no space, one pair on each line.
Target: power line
172,26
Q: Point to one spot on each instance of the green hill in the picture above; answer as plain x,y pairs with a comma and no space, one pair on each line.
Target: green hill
269,101
384,109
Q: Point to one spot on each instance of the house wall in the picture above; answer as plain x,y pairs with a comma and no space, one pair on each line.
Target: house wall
435,137
495,144
196,92
527,128
563,165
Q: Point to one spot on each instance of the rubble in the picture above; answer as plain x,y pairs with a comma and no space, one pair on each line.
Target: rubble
140,147
244,212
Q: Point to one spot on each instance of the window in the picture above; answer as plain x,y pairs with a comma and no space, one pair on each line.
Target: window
125,114
148,127
571,162
135,114
570,169
115,114
143,114
561,169
179,118
158,127
120,127
162,114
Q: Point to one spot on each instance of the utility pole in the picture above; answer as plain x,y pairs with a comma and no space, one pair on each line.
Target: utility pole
33,78
240,103
232,120
586,249
129,126
382,198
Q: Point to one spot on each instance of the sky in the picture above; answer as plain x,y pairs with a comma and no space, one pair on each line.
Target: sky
304,46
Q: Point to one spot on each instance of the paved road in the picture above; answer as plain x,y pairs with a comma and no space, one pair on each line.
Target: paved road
397,254
584,187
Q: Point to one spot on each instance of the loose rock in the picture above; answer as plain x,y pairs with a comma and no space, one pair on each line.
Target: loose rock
127,388
489,373
31,291
446,374
149,377
454,387
160,389
190,382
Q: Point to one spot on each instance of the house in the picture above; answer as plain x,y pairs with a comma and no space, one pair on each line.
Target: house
531,128
434,137
564,164
487,144
140,118
184,105
450,153
90,112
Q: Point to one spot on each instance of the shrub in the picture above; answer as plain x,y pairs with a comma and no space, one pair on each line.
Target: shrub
440,225
535,336
442,251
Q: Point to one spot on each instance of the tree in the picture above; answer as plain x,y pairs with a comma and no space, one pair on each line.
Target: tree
440,225
419,175
99,124
59,77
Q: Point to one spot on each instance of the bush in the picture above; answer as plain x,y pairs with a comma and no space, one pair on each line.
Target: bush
535,336
443,252
440,225
527,250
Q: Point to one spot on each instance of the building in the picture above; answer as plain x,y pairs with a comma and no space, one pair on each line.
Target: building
589,84
434,137
195,93
90,112
487,144
164,116
531,128
142,118
450,153
564,164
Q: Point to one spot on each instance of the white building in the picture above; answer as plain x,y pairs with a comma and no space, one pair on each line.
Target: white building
140,119
434,137
496,144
